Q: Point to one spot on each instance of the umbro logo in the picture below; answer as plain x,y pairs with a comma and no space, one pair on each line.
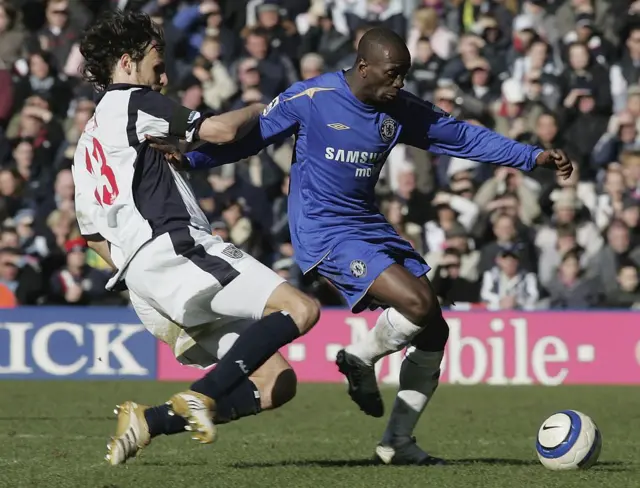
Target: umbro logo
339,126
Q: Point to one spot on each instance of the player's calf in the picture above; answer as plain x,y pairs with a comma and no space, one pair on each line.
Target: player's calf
297,315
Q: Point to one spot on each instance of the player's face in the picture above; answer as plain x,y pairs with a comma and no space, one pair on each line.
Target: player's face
385,77
151,70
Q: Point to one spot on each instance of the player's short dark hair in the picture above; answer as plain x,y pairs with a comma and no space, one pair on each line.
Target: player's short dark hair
115,34
379,38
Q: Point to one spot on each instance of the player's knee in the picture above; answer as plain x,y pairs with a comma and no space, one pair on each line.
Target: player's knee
420,305
305,313
278,389
434,336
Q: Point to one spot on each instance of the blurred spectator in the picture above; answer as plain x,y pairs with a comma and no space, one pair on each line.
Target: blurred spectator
627,71
610,202
276,71
627,292
551,258
600,48
569,13
42,80
77,283
59,33
393,209
205,19
448,279
508,286
385,13
425,70
622,135
605,265
11,191
585,192
567,209
426,27
631,171
282,32
509,181
322,37
570,289
217,85
457,238
12,37
311,65
19,276
506,236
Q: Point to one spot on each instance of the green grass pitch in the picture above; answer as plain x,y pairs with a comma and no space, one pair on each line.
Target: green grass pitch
53,435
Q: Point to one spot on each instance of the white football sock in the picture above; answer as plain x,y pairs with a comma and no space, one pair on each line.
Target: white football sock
391,333
419,377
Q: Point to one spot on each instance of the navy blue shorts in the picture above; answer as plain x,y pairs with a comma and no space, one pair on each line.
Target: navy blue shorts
352,266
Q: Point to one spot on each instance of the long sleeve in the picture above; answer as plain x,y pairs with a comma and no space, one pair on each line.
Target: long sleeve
427,127
214,155
278,121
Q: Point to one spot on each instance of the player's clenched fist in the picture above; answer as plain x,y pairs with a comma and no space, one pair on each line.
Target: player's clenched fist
555,159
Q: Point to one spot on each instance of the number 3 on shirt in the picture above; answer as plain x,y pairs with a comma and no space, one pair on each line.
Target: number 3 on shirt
107,185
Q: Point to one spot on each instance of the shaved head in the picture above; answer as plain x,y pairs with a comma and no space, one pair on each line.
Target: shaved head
381,65
380,43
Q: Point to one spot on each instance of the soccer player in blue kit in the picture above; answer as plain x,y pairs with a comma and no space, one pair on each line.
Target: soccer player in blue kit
345,124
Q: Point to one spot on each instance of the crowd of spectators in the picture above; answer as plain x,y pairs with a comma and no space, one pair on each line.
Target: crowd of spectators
555,73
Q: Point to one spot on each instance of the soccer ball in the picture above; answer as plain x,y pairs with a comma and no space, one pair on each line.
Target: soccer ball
568,440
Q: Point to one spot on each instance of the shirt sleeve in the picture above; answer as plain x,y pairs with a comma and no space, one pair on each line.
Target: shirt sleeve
279,120
286,112
427,127
160,116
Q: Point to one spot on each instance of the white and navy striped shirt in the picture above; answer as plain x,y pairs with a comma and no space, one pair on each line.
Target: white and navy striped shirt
125,191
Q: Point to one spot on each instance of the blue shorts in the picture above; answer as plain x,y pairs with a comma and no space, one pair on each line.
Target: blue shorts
352,266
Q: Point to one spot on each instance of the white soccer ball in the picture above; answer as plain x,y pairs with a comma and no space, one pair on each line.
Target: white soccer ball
568,440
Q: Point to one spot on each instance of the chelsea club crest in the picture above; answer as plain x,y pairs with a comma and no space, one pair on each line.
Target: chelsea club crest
388,129
358,268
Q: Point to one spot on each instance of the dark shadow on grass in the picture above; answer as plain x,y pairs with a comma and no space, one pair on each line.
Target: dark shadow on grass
349,463
306,463
165,463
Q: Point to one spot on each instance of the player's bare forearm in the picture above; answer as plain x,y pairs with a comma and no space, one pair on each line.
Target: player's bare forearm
230,126
101,247
209,155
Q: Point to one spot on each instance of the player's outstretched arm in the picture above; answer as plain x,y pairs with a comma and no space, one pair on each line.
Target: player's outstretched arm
209,155
230,126
433,130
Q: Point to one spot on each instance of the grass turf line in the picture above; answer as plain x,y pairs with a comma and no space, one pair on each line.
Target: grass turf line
54,434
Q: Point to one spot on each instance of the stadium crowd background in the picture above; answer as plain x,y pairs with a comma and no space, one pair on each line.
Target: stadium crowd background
563,73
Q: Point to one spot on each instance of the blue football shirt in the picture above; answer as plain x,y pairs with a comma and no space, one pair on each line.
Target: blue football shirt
341,145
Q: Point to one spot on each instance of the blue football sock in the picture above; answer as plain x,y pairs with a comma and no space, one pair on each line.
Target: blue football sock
250,351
